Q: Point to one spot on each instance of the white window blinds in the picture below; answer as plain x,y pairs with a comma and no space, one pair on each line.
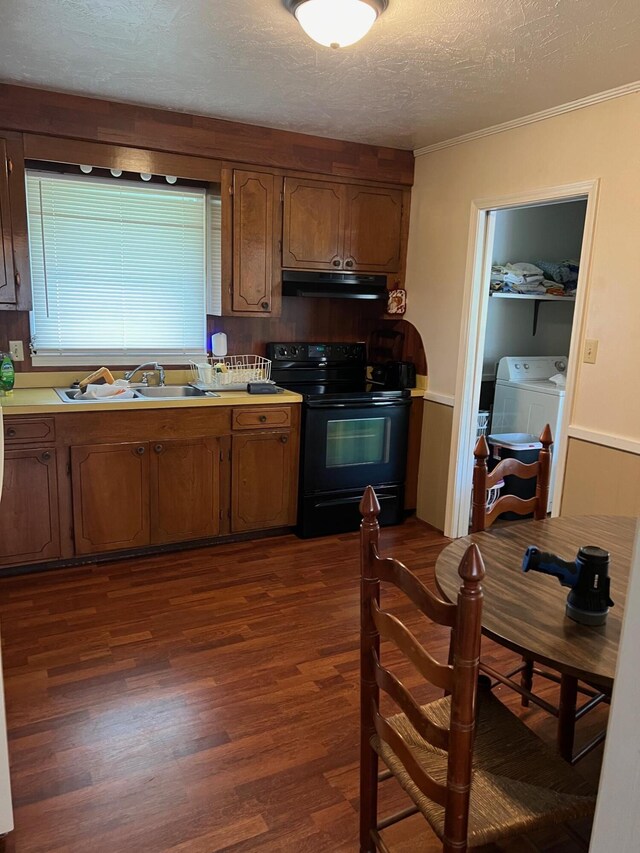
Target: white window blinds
119,270
214,231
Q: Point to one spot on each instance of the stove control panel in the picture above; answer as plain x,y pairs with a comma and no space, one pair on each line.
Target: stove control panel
319,353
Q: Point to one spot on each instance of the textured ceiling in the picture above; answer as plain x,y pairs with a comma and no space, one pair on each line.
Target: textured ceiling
429,69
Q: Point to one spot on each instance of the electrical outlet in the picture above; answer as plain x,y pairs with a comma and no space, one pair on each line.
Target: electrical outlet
16,348
590,351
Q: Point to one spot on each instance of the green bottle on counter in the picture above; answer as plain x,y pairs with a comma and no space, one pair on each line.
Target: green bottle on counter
7,374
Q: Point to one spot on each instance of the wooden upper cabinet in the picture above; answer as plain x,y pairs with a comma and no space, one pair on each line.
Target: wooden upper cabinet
29,519
7,279
256,225
15,278
110,485
374,229
185,489
337,226
314,223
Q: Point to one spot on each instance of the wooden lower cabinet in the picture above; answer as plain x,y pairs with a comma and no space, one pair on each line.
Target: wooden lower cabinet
185,490
263,493
29,513
76,485
110,484
145,493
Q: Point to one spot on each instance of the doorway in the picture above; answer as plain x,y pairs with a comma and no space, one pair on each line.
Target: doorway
522,314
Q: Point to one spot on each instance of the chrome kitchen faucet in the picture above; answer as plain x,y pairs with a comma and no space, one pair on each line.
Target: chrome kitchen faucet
156,369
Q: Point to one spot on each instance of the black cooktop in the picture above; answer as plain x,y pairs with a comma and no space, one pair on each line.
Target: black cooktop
328,371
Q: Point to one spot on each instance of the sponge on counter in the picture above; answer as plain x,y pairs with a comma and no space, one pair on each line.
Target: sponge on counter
101,376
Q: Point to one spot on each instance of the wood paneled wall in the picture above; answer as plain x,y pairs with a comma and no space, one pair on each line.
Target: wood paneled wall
62,120
302,320
14,326
56,114
437,427
600,480
316,320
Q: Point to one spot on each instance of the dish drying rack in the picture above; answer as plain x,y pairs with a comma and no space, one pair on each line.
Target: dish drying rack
232,372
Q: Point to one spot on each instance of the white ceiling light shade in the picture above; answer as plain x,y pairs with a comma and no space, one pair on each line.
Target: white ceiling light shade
336,23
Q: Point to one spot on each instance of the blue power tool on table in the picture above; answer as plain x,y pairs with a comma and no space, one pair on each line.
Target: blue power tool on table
587,577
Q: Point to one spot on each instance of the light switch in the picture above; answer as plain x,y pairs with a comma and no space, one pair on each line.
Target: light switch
16,348
590,351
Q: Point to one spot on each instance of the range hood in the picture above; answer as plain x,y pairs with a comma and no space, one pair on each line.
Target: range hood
334,285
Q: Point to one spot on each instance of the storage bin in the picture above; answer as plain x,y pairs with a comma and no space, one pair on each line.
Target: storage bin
525,448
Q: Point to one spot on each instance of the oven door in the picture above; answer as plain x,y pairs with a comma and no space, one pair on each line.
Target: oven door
350,445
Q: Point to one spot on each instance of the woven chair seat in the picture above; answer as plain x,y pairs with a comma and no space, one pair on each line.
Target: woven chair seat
519,784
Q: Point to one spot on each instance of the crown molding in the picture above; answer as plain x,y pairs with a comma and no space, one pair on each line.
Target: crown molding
590,100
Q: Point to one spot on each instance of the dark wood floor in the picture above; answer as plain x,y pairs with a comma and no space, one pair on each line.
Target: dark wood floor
199,702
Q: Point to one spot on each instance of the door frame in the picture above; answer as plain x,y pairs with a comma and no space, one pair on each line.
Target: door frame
472,339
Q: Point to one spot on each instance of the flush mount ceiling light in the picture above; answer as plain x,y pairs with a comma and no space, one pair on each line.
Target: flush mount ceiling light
336,23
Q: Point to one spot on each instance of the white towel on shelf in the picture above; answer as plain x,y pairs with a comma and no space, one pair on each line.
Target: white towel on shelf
512,274
525,269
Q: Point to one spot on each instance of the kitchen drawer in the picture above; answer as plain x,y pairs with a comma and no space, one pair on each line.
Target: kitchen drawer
21,431
261,418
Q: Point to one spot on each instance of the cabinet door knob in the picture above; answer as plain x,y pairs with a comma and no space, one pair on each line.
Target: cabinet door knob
46,456
11,432
263,419
336,263
348,264
158,448
264,306
284,439
140,451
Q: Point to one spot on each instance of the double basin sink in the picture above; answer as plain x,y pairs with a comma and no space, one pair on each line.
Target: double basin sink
155,392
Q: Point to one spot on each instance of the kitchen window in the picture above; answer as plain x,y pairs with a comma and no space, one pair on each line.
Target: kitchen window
122,271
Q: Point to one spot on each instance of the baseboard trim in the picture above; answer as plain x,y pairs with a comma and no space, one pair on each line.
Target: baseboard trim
94,560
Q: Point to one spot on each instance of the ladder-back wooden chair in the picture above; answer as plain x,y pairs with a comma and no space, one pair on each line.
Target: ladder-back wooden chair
483,517
474,770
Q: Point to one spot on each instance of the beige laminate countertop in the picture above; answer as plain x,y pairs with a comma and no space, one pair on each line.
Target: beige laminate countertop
41,401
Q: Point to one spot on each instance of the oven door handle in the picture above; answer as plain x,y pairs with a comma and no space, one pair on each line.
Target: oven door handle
371,404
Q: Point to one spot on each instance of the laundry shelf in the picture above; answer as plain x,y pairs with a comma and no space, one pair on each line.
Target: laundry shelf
536,298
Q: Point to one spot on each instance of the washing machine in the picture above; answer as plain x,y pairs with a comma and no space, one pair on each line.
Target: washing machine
525,398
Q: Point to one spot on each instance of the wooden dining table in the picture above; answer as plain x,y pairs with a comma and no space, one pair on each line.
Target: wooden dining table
526,611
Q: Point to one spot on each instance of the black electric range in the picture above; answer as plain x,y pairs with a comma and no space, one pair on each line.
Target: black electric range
354,434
